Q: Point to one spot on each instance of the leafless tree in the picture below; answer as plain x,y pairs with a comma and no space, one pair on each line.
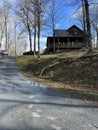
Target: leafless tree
35,26
1,26
94,19
38,22
31,13
6,11
55,14
24,12
88,25
39,11
86,22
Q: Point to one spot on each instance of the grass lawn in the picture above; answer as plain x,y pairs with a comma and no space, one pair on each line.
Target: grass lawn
73,73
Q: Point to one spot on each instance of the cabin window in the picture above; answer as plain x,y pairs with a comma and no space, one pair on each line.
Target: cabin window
75,31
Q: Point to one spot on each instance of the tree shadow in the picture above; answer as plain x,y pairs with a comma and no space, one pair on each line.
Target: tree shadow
22,102
29,128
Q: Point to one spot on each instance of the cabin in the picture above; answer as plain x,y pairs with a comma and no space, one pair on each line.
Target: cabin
72,38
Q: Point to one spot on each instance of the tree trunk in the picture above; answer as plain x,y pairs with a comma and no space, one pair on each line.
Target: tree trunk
35,35
88,26
39,37
38,22
84,45
53,41
84,21
1,38
30,38
97,41
15,39
6,42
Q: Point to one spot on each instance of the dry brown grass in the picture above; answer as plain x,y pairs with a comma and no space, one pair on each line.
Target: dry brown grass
76,74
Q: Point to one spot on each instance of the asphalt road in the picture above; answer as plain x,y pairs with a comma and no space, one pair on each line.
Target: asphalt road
27,105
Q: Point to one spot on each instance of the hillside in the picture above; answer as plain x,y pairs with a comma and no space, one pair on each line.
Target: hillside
73,72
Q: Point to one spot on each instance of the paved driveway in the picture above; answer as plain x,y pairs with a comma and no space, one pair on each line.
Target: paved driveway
27,105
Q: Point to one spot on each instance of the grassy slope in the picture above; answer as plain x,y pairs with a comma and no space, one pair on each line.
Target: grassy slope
74,73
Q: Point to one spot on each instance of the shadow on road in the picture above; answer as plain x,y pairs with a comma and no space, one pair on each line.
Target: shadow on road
29,128
48,103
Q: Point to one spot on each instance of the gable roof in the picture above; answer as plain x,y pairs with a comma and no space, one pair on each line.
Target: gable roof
60,33
74,27
70,32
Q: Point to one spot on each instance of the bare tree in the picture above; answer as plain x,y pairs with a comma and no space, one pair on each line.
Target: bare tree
24,12
6,9
35,29
39,24
55,14
1,26
39,10
86,22
94,19
53,22
31,13
87,15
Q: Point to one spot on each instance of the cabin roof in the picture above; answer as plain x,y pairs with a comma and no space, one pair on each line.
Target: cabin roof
70,32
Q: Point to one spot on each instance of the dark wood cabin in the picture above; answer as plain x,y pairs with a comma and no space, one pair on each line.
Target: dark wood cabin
71,38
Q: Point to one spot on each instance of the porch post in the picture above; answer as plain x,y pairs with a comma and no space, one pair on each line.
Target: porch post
58,44
68,43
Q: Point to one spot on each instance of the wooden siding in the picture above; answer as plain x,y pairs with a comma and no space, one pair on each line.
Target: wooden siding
64,39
